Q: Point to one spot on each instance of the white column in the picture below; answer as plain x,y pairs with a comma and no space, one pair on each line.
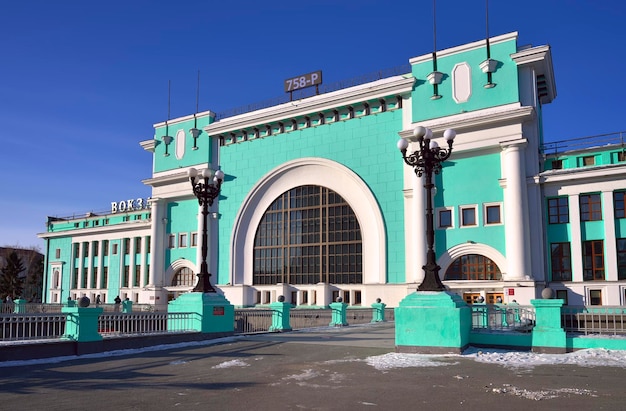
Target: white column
419,228
610,243
576,240
144,252
516,226
100,264
199,247
157,238
132,263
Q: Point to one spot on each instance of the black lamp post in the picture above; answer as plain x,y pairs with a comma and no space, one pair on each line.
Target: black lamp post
426,161
205,192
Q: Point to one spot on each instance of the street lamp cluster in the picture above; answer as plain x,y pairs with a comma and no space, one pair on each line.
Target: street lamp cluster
426,161
206,190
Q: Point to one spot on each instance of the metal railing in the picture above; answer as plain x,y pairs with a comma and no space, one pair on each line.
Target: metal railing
494,317
119,324
42,325
359,315
580,143
312,91
607,320
21,327
309,318
252,320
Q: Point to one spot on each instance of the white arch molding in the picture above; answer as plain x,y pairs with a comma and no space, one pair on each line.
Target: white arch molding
457,251
309,171
173,269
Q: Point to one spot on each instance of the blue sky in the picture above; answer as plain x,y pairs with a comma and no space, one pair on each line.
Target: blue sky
82,82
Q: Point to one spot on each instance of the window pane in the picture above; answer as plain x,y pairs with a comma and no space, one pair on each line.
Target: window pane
317,233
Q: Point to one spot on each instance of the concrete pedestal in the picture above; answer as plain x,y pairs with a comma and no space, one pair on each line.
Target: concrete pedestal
432,322
213,313
81,324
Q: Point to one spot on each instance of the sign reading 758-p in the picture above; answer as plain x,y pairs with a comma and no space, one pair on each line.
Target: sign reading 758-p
305,80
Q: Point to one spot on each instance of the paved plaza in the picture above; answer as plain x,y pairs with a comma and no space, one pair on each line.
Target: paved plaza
352,368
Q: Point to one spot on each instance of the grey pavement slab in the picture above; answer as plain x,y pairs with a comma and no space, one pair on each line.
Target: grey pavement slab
327,369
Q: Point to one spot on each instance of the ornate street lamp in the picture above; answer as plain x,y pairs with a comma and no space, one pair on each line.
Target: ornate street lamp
205,192
426,161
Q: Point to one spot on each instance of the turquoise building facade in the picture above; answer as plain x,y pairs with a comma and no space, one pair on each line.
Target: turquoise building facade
317,203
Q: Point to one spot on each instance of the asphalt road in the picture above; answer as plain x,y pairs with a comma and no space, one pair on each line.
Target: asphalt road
313,370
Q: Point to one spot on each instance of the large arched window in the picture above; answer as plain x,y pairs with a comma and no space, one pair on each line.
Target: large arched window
473,267
184,278
308,235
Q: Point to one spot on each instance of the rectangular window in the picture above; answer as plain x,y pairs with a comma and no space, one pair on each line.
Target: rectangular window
445,218
76,250
621,258
561,259
96,249
94,277
589,160
57,253
557,164
105,247
194,239
86,249
593,260
137,245
595,297
115,248
105,278
75,278
171,243
137,276
182,240
558,210
621,156
83,280
618,204
127,246
468,216
492,214
590,207
125,278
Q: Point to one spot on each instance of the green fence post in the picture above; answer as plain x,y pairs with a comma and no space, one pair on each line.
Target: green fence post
338,313
378,312
548,335
280,315
20,306
127,306
81,324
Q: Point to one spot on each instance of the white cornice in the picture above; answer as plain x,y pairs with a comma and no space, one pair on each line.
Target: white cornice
464,47
540,59
104,229
580,175
393,85
167,179
481,119
148,145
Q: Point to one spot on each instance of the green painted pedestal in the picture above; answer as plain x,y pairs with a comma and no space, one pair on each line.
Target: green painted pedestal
213,313
378,312
338,314
81,324
432,322
548,334
280,316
